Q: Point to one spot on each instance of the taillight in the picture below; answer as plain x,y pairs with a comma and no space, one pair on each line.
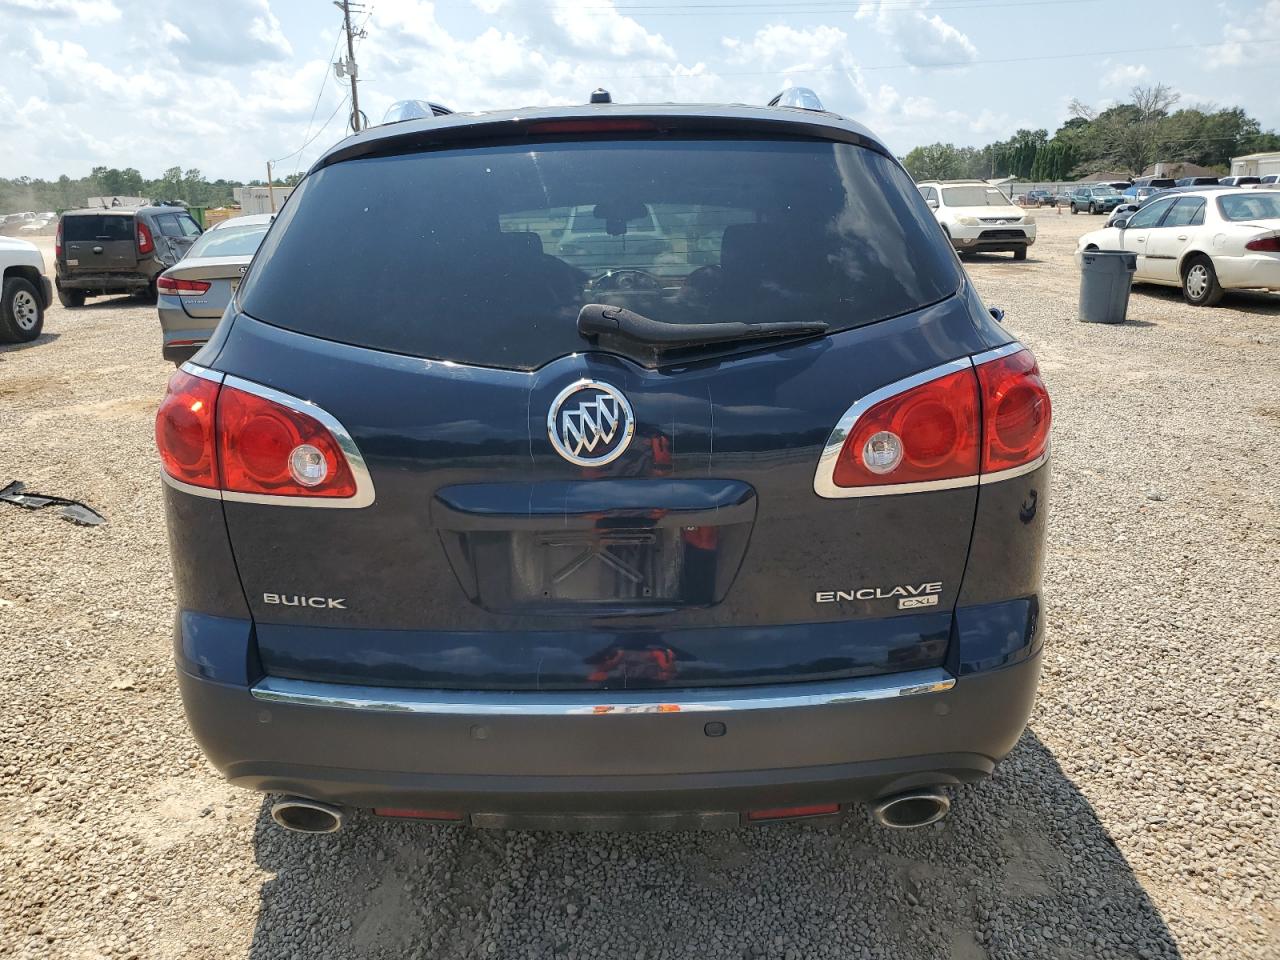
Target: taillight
57,241
184,430
145,243
182,288
268,448
252,443
1015,412
1269,244
947,427
926,433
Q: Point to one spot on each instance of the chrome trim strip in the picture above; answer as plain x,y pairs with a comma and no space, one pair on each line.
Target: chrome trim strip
202,372
600,703
364,494
824,484
213,493
1008,350
1018,471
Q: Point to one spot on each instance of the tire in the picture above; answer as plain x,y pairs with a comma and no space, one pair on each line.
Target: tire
1092,211
21,312
1020,253
1200,286
71,298
149,294
1074,211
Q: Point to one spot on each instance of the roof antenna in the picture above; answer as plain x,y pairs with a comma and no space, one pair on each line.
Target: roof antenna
601,95
801,97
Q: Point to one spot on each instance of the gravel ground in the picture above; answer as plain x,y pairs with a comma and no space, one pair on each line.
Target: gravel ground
1136,818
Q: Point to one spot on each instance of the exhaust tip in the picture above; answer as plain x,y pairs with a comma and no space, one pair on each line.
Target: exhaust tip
307,816
916,808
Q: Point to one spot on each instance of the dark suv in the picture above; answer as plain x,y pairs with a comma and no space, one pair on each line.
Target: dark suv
466,527
118,250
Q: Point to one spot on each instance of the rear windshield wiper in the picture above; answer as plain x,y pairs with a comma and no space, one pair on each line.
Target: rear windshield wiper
604,320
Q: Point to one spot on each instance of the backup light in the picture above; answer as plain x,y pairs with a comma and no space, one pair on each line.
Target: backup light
308,465
882,452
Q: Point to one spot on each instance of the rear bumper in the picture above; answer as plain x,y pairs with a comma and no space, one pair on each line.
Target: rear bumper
373,747
105,282
1260,272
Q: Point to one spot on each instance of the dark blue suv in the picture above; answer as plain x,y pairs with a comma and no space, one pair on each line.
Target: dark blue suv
607,466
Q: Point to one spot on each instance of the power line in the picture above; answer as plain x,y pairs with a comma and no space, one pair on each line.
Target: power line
803,7
927,66
342,103
324,83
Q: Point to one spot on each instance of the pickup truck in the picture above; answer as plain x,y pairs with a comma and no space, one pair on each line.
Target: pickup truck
25,293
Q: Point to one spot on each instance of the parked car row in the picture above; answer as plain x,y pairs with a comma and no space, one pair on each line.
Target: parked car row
1206,240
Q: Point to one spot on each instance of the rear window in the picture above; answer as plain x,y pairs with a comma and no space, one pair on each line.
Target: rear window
1258,205
230,241
486,255
107,226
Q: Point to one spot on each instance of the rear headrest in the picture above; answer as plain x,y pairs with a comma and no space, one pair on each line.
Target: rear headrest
523,241
744,248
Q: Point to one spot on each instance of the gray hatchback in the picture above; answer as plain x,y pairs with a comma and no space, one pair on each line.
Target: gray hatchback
103,251
193,293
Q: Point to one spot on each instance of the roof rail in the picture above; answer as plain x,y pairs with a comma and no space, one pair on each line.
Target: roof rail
801,97
413,110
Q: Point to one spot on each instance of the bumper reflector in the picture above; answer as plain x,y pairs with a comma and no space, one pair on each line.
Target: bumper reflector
452,816
794,813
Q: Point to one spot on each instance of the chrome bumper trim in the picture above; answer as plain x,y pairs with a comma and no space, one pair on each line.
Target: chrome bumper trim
601,703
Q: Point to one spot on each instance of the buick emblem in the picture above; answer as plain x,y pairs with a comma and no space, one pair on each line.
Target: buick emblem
590,423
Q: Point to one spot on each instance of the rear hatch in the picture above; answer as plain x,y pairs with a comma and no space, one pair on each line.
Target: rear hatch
100,242
551,512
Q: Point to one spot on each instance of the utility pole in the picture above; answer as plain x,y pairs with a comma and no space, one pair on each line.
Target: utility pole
348,67
271,193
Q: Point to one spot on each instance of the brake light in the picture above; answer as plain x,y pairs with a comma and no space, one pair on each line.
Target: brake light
226,437
184,430
1269,244
269,448
929,432
944,428
57,241
1015,412
182,288
145,243
593,126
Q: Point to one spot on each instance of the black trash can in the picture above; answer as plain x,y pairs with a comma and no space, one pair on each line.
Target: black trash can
1105,279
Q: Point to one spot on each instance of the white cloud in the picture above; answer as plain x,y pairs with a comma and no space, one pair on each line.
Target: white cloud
242,32
79,11
1124,75
817,57
922,40
1241,33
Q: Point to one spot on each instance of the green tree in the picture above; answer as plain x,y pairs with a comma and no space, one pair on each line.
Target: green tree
937,161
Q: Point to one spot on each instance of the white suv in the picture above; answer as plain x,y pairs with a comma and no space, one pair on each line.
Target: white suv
977,216
24,291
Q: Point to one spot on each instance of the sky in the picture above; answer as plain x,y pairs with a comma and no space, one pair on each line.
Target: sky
226,85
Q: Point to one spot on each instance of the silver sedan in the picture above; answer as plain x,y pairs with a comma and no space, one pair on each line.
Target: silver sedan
194,292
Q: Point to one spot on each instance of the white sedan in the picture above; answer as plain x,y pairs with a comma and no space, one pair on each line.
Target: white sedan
1204,241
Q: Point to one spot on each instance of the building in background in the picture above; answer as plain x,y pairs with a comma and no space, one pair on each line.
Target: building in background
257,200
1256,165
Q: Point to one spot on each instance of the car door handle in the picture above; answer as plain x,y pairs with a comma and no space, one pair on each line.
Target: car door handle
1182,236
1140,239
97,249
